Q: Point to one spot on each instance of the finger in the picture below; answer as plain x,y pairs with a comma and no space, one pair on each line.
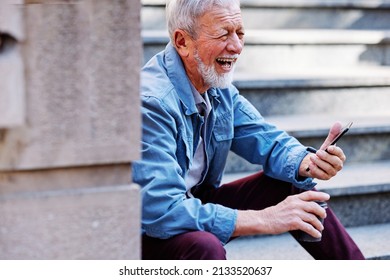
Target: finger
309,229
314,196
336,151
325,166
309,223
333,132
316,209
328,162
318,173
320,169
314,221
313,215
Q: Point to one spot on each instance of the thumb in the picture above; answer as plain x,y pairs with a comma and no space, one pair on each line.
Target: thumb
333,132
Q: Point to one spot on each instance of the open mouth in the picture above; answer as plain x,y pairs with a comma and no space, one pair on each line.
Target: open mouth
226,63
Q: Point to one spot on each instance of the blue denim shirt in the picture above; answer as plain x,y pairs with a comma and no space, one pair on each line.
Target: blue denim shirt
171,129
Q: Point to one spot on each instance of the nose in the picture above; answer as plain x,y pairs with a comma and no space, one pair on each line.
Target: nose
235,44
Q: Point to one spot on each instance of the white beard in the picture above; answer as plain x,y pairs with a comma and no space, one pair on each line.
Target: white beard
210,75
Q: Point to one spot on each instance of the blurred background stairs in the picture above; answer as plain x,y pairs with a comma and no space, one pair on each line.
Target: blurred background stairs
305,65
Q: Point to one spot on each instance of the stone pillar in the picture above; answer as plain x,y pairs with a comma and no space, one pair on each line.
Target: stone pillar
12,106
69,129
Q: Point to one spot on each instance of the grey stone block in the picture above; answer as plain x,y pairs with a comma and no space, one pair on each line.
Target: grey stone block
97,223
82,81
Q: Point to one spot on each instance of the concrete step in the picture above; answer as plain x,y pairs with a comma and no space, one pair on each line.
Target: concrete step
358,90
360,193
314,48
269,14
321,14
277,49
372,240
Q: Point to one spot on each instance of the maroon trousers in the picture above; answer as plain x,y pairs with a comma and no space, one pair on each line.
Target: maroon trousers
255,192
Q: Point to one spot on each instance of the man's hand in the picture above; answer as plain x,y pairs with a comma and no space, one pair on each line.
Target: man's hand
296,212
327,161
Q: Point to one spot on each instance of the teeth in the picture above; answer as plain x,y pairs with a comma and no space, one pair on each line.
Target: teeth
226,60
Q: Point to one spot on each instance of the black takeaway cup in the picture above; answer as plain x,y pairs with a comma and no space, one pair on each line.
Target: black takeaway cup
303,236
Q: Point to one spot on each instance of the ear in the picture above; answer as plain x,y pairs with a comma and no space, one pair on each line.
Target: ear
182,42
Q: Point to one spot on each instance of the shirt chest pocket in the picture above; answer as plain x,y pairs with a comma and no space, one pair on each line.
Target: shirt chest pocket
223,129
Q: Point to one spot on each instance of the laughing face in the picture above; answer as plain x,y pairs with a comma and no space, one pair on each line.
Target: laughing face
211,56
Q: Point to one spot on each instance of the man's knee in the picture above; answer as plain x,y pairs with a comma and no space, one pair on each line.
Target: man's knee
204,245
196,245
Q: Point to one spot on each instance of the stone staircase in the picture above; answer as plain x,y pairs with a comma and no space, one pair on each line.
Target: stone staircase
307,64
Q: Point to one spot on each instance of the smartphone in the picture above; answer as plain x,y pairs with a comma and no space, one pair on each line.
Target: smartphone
342,132
337,138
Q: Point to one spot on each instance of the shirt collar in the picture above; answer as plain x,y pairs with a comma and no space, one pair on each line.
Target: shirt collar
181,82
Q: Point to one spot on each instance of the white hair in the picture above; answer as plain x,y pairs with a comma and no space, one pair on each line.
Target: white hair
183,14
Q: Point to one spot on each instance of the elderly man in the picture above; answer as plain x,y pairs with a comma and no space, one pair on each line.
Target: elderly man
192,117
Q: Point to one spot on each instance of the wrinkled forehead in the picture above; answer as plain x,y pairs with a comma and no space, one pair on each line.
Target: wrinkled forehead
221,17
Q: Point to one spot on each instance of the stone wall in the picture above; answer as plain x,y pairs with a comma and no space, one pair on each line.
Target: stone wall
69,129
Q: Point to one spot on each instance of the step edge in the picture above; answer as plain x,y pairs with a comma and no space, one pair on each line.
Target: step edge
377,253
